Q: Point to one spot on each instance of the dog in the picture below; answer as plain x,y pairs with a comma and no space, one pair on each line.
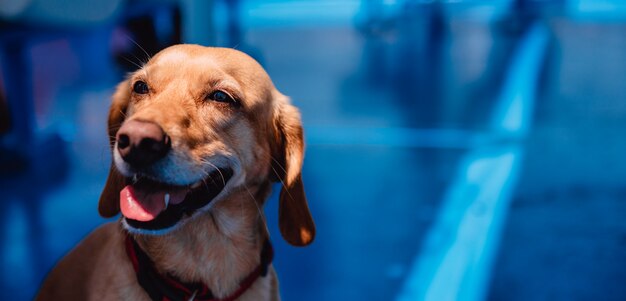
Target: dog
198,136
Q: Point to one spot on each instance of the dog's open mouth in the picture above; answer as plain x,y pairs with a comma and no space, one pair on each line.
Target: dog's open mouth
151,205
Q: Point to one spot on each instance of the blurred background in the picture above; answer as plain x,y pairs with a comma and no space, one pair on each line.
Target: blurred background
456,150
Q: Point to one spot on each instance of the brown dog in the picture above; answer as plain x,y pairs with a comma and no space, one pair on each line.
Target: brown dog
198,135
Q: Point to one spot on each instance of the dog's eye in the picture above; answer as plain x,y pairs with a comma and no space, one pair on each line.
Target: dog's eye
140,87
221,96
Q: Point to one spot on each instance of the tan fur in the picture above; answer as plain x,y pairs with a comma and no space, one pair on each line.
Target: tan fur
221,245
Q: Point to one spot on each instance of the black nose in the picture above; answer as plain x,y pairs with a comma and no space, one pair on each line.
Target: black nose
142,143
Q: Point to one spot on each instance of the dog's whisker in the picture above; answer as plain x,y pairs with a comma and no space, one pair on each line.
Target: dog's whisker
141,62
256,204
283,184
279,178
212,180
148,57
130,61
205,183
205,177
216,168
279,165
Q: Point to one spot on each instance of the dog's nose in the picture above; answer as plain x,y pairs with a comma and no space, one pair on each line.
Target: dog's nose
142,143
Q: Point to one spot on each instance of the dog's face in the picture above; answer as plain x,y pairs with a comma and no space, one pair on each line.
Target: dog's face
190,127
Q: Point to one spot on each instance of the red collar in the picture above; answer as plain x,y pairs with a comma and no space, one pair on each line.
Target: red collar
168,288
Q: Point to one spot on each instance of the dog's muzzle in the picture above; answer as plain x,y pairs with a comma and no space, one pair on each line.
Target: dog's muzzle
147,203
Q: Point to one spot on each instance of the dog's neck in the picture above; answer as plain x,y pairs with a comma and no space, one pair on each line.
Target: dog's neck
218,248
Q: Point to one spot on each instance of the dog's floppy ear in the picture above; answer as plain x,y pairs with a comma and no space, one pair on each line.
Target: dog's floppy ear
294,218
109,204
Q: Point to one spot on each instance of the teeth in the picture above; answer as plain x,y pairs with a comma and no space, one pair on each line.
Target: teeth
135,179
167,200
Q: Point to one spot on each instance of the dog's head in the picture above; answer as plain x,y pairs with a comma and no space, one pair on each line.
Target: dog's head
193,125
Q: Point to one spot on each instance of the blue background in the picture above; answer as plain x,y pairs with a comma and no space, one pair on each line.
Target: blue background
456,150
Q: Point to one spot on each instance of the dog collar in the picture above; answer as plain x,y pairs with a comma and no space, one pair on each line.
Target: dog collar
168,288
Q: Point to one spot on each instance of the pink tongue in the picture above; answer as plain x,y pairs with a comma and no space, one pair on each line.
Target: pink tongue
141,206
